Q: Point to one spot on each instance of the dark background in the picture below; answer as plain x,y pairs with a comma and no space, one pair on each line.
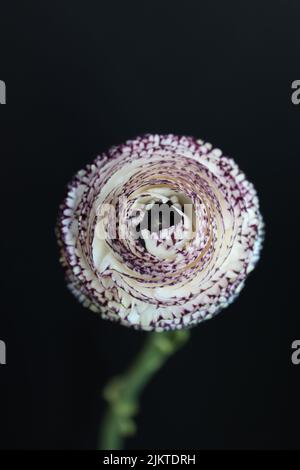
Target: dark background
80,77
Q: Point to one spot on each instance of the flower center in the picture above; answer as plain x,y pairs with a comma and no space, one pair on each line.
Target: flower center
160,216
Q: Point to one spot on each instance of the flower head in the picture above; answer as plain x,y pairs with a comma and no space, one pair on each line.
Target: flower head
159,233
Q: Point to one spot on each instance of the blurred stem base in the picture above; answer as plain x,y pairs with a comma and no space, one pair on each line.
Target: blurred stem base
122,392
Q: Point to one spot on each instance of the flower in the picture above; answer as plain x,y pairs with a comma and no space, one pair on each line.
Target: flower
188,263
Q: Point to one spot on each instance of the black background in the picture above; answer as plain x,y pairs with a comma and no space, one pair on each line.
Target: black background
80,77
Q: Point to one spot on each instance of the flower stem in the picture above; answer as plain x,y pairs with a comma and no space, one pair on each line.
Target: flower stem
122,392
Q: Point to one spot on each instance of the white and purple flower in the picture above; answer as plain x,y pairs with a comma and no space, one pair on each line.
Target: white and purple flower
172,272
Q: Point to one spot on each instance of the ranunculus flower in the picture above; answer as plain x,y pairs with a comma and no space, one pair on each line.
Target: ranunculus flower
159,233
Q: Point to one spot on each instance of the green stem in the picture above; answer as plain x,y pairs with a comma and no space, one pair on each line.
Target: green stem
122,393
